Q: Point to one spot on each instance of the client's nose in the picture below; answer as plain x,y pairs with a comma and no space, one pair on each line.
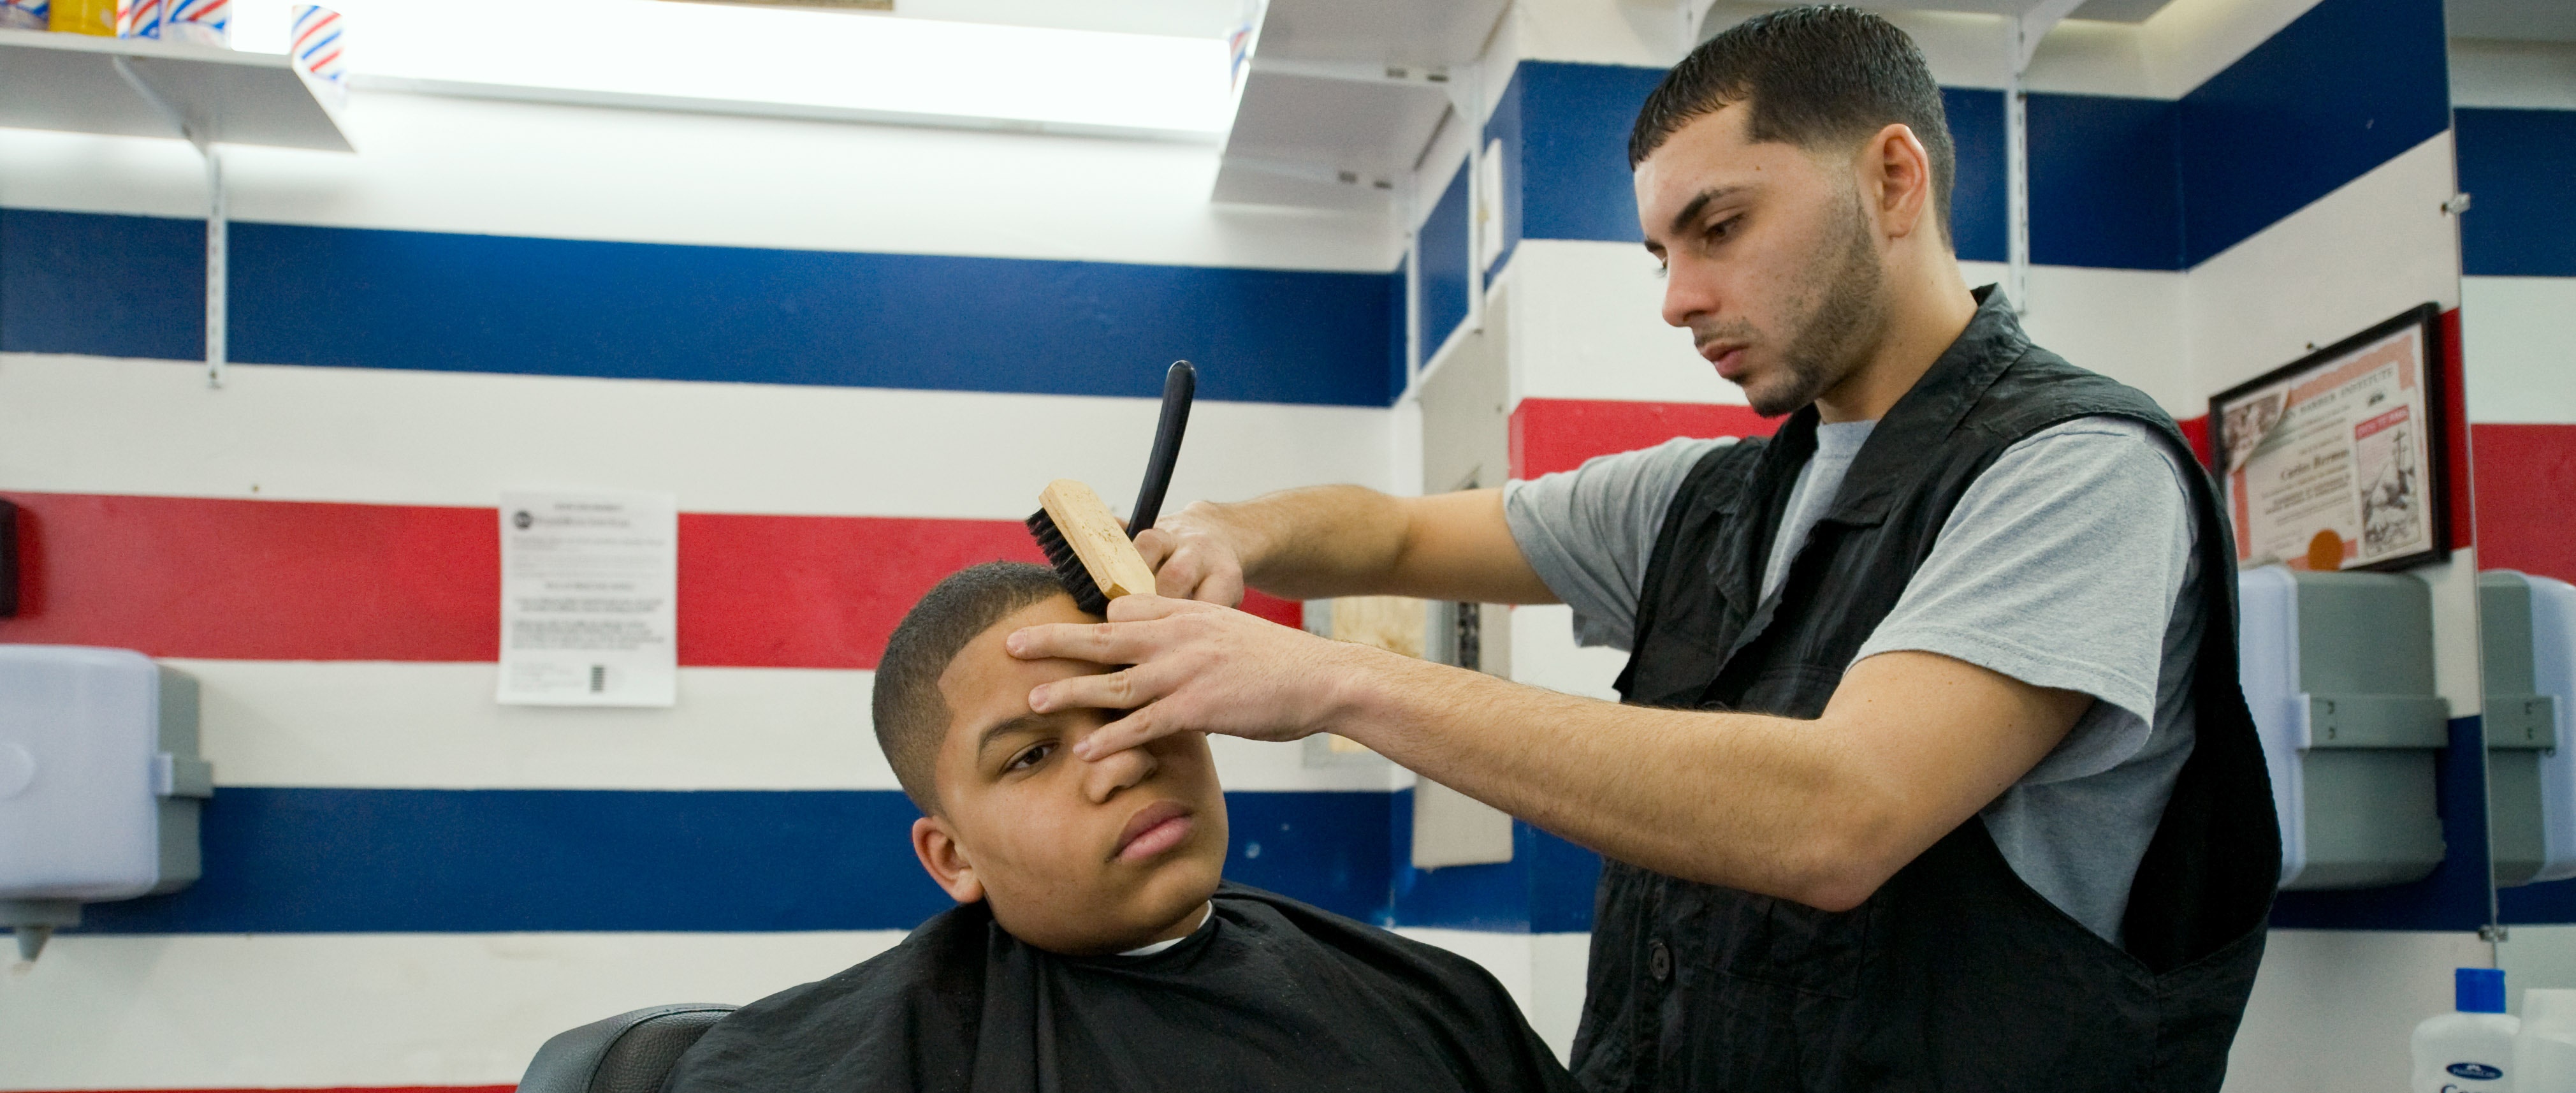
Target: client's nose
1104,777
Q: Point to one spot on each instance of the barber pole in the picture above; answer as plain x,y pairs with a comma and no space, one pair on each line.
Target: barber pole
316,47
138,19
26,14
197,22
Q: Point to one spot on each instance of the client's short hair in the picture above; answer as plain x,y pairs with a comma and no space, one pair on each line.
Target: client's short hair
911,714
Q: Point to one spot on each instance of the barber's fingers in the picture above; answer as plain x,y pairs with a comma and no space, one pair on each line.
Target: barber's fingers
1097,642
1154,545
1124,689
1191,559
1197,568
1137,728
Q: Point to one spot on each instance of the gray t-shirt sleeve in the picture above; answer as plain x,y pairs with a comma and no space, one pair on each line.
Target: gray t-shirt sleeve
1589,532
2060,568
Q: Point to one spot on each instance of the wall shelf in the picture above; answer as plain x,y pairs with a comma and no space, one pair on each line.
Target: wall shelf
73,83
140,88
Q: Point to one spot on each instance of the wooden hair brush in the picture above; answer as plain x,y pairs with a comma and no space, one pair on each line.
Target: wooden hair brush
1092,553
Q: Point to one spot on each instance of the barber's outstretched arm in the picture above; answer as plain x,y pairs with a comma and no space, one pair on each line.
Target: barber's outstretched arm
1821,812
1343,541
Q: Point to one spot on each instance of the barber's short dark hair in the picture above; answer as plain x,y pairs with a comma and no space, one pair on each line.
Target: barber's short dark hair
911,714
1815,76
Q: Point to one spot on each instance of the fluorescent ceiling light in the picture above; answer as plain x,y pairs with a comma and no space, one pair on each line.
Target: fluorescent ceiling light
919,69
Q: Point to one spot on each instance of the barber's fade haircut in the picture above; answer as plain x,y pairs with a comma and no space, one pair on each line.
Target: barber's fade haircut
1815,76
910,712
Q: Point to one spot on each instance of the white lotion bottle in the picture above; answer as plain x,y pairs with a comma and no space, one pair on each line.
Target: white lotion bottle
2544,1051
2470,1051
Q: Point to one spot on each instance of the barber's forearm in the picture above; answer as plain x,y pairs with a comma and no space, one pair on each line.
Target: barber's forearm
1764,804
1316,542
1354,541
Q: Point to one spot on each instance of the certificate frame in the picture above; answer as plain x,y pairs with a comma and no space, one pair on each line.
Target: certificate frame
2382,492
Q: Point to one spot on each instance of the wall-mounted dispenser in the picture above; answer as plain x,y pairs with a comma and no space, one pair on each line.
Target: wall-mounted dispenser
2527,638
99,783
2338,670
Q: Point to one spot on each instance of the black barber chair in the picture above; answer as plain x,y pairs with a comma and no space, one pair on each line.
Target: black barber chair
628,1053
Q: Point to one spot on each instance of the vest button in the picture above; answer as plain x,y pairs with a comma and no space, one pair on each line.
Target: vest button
1659,961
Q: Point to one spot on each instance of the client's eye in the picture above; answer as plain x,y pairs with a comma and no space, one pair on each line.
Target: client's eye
1035,755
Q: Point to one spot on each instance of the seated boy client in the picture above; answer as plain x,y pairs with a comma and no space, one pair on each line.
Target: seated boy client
1093,946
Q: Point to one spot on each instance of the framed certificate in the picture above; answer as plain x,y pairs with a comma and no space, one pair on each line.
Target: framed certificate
2336,461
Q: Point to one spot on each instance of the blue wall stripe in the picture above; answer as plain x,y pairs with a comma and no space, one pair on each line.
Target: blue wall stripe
1546,888
2105,182
1397,361
2454,897
1573,149
2519,169
1504,133
284,860
1443,245
114,286
363,298
1564,131
2342,89
2116,183
1979,204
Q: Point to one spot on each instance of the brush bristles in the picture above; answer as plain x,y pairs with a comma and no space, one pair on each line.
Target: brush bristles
1068,565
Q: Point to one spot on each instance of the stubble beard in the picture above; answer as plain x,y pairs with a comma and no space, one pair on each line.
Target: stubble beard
1842,320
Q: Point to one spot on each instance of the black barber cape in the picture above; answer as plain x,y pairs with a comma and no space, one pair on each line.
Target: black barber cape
1270,995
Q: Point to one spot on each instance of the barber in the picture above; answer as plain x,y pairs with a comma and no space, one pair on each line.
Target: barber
1932,771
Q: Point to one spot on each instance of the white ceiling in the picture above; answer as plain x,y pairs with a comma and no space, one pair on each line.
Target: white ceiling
1179,18
2513,20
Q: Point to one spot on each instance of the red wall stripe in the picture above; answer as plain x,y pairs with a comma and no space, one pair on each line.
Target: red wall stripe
1555,434
2456,469
2526,510
292,580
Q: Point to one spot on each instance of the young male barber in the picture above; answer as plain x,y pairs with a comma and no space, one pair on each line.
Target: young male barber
1932,772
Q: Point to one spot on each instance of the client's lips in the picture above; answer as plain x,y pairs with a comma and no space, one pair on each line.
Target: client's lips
1154,829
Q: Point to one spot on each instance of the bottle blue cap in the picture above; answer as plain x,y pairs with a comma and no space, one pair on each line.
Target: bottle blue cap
2481,990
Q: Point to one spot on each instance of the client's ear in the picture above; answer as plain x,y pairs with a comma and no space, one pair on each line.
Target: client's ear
945,860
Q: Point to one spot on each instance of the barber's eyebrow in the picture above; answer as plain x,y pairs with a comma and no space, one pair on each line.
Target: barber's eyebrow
1690,212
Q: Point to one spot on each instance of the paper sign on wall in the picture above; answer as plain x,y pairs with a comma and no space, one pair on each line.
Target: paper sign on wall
589,599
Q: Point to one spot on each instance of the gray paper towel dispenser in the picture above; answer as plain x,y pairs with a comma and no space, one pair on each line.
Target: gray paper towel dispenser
99,783
2338,670
2527,640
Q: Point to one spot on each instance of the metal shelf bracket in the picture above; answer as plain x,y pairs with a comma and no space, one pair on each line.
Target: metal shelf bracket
218,243
2022,33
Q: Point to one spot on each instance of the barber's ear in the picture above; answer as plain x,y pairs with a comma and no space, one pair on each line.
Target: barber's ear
945,860
1896,179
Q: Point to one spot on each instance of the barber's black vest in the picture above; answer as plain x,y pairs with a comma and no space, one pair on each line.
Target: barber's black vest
1954,975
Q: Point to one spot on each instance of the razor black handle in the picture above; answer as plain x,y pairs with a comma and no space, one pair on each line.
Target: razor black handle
1180,385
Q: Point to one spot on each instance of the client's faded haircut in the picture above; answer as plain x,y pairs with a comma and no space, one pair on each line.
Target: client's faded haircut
911,714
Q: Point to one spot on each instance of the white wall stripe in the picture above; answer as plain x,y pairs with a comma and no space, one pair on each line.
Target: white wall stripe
112,425
2376,246
502,168
223,1011
1586,322
228,1011
373,724
2514,331
1543,972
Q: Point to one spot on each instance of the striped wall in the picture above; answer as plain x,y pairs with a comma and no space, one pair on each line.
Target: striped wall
853,353
2520,256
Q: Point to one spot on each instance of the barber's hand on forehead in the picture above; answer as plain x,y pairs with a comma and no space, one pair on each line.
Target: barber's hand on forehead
1191,667
1191,557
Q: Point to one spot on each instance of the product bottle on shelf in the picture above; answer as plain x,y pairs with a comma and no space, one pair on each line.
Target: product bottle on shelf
2544,1051
2470,1051
95,17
